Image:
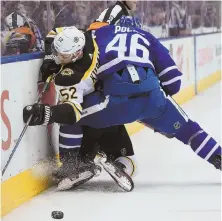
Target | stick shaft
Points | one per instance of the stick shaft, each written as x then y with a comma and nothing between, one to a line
26,125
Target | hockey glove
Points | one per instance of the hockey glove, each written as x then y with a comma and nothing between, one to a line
41,114
172,88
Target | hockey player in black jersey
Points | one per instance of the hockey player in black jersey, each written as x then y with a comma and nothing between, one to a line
115,140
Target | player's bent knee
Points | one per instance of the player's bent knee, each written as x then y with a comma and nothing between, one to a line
170,121
188,132
130,164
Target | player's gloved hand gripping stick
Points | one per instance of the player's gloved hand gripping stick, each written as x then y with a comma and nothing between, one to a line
46,84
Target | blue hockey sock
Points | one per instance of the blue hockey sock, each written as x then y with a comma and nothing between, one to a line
199,140
70,140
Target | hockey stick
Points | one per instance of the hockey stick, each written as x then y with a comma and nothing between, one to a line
179,108
46,84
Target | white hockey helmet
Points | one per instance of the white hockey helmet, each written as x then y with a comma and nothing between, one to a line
14,20
69,42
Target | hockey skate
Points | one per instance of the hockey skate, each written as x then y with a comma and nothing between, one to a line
72,174
116,171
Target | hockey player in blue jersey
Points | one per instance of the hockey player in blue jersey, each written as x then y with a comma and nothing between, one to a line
138,75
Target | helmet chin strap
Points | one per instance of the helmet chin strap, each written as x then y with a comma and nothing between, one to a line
74,59
78,57
57,61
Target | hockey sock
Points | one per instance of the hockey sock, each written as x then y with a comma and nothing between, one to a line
199,140
70,139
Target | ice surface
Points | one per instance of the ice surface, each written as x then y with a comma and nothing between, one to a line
173,184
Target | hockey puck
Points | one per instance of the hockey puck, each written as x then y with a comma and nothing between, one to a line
57,214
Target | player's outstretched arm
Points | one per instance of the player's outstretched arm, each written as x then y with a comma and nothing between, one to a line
44,114
70,90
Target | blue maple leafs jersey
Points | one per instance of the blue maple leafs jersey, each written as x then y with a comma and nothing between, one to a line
120,46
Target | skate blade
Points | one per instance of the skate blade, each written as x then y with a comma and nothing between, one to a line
122,179
68,183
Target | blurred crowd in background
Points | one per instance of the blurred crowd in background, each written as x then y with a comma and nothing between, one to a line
24,24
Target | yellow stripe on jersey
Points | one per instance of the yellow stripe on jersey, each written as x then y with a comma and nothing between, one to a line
79,107
54,32
58,30
94,62
51,34
76,110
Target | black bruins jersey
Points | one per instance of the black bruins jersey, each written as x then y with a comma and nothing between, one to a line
76,79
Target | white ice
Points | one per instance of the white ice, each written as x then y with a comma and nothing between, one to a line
173,184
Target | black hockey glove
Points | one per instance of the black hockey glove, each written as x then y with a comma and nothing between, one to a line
48,68
41,114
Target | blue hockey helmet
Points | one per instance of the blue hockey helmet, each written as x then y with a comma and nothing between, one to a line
129,21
